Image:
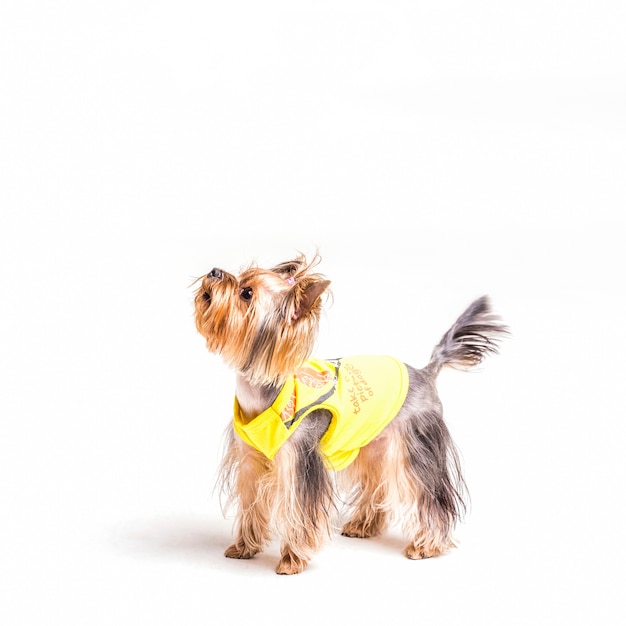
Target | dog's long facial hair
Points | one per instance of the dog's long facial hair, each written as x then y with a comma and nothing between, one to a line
264,324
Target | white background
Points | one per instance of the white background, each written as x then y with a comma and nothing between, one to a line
432,152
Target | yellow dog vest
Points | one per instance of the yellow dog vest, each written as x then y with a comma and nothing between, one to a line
363,394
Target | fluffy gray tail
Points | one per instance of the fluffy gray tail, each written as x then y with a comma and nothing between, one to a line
472,337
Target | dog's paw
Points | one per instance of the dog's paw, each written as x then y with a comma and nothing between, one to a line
354,530
239,551
291,564
415,553
362,530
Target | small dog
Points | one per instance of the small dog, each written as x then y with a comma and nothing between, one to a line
305,431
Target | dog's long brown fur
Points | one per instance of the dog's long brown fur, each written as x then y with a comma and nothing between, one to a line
264,323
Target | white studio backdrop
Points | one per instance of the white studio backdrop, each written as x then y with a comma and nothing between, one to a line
431,152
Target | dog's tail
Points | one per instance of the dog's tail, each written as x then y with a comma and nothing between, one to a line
475,335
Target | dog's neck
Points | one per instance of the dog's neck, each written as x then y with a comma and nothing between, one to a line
254,399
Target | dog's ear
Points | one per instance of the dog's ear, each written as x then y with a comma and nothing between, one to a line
290,268
306,297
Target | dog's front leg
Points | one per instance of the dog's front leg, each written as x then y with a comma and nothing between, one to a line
244,472
304,502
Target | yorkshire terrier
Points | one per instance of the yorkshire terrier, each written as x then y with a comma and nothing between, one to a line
305,431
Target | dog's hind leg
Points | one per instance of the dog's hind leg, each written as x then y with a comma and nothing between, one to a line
368,486
432,493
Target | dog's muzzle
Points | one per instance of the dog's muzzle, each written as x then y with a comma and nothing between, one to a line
215,275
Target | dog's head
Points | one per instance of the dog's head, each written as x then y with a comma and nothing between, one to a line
263,322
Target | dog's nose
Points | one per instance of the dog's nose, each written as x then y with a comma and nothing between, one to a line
216,273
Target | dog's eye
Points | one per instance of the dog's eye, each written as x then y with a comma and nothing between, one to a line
246,294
